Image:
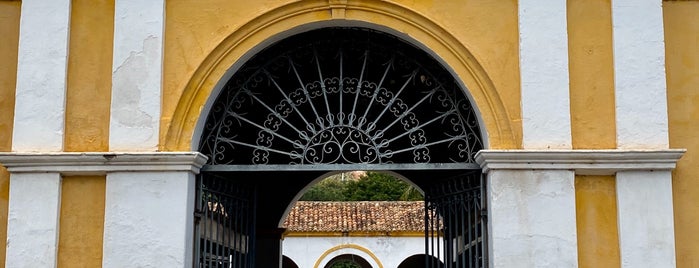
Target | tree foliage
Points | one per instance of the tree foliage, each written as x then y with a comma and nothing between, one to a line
373,186
345,264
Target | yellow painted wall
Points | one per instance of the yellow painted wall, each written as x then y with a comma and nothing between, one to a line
81,222
9,30
598,238
196,30
682,67
86,129
593,126
89,76
591,66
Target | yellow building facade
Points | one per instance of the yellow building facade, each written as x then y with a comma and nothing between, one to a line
587,110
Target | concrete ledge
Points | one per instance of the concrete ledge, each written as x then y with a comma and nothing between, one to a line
583,162
90,163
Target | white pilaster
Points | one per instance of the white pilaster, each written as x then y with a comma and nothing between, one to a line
149,205
644,197
33,220
531,203
149,219
137,75
639,74
532,218
646,223
41,76
543,63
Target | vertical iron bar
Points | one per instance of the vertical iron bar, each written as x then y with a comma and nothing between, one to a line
466,227
427,232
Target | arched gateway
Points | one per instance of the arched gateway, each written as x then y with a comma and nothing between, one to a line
328,100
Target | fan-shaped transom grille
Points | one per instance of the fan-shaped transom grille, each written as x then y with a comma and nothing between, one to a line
341,96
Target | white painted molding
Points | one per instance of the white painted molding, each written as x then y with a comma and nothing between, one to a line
584,162
102,162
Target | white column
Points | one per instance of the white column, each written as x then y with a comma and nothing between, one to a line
149,219
33,220
532,218
137,75
644,197
531,204
543,63
41,76
639,74
646,226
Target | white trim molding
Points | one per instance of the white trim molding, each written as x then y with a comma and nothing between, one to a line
68,163
584,162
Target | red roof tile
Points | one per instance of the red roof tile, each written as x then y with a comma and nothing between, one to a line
360,216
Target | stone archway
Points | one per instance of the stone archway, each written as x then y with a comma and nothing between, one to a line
330,99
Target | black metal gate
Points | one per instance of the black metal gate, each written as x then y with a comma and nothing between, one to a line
455,222
224,223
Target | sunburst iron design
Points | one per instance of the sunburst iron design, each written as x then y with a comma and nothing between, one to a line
341,96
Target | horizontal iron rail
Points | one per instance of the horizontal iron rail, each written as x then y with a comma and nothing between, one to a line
344,167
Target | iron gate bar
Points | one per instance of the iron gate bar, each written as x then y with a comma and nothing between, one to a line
455,224
224,223
343,99
343,167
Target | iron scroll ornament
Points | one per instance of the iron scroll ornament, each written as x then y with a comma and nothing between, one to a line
341,96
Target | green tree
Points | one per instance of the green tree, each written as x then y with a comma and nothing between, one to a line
329,189
373,186
345,264
376,186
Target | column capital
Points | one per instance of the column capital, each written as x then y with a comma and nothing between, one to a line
583,162
91,163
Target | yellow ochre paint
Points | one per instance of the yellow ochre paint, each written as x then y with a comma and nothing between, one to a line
682,69
89,76
81,221
202,43
591,69
9,30
598,235
86,129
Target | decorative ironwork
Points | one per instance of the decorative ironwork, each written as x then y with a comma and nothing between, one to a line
225,223
455,225
341,96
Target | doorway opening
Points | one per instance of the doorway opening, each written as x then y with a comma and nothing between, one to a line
331,100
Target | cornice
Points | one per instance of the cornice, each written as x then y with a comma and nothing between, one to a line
584,162
85,163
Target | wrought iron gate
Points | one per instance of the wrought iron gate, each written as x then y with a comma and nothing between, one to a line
225,223
341,99
455,222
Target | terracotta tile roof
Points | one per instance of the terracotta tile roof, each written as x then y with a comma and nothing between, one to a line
359,216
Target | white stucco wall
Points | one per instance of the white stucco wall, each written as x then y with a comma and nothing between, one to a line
639,74
148,219
532,218
42,65
137,75
543,59
33,220
646,225
391,251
